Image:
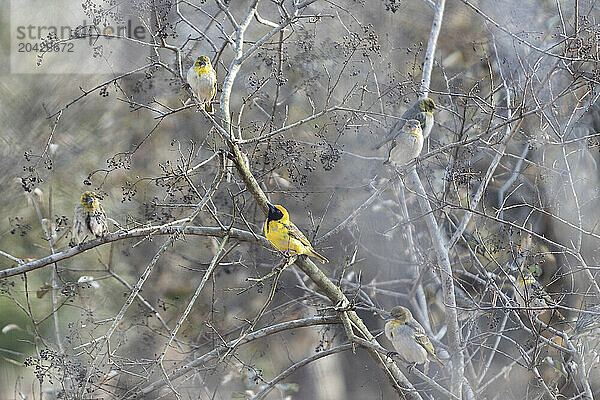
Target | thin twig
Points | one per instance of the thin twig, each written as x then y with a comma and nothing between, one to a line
271,384
117,319
215,353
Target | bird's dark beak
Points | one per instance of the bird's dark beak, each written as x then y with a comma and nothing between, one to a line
389,317
272,208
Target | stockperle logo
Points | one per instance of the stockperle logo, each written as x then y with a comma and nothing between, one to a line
63,36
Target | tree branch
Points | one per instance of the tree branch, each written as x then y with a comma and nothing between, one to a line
215,353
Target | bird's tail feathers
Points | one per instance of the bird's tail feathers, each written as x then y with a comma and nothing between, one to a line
558,314
436,358
318,256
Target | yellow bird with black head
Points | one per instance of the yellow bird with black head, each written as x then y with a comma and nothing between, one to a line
285,236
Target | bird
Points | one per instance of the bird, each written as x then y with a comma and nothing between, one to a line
529,293
586,332
408,337
203,80
408,145
89,220
285,236
535,252
421,111
488,255
588,322
465,305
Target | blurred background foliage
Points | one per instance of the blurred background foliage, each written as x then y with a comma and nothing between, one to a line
365,56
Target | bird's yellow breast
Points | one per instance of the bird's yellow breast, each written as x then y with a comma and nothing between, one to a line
202,70
278,234
527,280
394,323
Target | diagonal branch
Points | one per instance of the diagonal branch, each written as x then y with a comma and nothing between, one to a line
169,229
436,26
271,384
215,353
148,270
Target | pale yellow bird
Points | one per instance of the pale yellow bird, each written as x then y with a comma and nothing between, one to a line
202,78
421,111
407,145
89,220
408,337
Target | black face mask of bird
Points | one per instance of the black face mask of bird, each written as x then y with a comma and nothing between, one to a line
275,214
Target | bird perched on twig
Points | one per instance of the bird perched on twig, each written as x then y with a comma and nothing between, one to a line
408,337
285,236
89,221
449,223
535,252
491,252
530,294
465,305
407,145
588,323
422,111
586,332
203,80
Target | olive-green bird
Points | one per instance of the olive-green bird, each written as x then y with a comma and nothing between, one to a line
530,294
535,252
202,78
465,305
422,111
588,323
408,144
408,337
89,221
489,255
